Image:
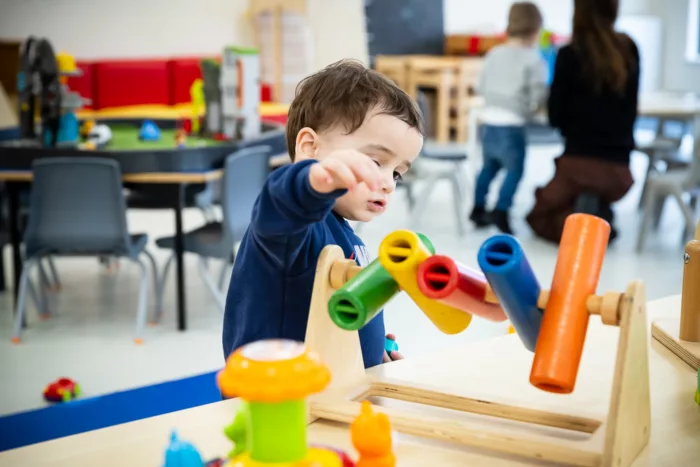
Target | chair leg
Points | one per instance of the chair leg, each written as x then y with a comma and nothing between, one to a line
687,213
424,197
209,282
56,282
39,302
160,290
21,301
224,270
142,310
458,201
650,200
156,283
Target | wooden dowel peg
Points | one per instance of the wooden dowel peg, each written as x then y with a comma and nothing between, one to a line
607,306
342,271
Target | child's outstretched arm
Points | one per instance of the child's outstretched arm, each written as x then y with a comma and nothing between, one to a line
301,194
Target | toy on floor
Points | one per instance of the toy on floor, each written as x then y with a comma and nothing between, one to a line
551,324
149,131
181,453
273,378
62,390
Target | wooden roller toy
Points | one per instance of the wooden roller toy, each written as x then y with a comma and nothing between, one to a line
613,441
680,331
401,253
362,292
509,274
565,320
447,281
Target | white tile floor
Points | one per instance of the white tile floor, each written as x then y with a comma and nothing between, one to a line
91,338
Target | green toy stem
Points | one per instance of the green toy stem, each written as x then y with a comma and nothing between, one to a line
359,300
362,297
267,422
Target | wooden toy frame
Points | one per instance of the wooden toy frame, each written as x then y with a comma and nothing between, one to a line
680,333
624,433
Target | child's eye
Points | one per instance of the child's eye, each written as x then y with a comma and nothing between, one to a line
397,177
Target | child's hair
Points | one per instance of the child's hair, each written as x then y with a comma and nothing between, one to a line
342,94
524,20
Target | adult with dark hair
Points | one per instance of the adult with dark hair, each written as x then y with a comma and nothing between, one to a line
593,103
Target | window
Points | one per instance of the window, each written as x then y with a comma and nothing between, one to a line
692,46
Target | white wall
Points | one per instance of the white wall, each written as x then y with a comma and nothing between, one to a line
129,28
491,16
158,28
678,74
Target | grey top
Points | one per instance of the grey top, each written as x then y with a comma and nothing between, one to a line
514,79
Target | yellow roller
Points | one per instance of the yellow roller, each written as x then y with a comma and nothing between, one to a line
401,252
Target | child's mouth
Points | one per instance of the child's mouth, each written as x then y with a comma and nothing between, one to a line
376,206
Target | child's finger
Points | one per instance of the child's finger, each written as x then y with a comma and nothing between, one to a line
386,358
396,355
367,171
341,172
391,337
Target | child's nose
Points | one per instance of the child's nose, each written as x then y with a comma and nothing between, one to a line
388,183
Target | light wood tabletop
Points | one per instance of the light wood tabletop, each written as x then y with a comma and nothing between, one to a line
153,177
495,370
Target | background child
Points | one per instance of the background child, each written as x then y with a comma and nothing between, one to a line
513,84
352,134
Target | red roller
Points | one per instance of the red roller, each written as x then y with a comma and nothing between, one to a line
445,280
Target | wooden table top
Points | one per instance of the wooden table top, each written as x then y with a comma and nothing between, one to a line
495,369
154,177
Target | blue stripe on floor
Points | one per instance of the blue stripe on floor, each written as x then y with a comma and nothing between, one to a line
92,413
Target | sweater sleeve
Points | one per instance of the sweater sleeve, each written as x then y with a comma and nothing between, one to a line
537,85
559,89
287,205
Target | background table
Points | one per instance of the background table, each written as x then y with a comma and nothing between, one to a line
494,370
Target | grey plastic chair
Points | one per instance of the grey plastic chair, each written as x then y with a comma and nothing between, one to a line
78,209
453,155
245,172
675,183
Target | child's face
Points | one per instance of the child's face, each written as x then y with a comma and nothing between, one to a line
391,143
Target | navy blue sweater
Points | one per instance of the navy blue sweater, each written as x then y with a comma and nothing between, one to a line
270,290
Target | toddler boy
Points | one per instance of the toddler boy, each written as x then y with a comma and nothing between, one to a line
513,84
351,134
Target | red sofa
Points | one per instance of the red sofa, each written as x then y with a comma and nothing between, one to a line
119,83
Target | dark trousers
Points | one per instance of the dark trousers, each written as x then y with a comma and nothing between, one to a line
580,184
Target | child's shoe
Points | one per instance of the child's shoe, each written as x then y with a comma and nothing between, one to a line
480,217
500,220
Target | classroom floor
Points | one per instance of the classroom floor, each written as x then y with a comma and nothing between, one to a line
91,339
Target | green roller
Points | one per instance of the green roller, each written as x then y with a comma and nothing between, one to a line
357,302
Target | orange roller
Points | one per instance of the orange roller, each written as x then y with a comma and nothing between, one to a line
565,321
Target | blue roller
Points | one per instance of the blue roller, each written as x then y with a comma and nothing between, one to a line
503,262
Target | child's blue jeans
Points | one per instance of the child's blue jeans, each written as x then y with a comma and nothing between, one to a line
503,148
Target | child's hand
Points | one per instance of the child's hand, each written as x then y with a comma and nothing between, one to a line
395,355
344,170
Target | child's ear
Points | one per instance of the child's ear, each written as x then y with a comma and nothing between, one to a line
306,144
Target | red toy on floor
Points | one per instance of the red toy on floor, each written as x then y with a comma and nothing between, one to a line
62,390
